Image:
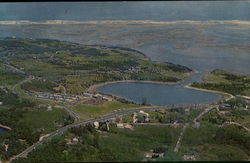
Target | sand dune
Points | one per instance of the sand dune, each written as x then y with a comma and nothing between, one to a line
129,22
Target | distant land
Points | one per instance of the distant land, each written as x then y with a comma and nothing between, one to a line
128,22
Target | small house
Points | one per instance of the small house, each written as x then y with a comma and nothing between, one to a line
224,107
107,98
88,94
96,124
119,125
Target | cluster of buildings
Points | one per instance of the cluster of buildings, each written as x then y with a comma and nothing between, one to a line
67,98
155,153
226,106
141,117
97,95
133,69
55,96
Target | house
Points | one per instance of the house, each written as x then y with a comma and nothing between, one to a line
189,158
97,95
150,155
49,108
96,124
128,126
88,94
119,125
224,107
142,116
107,98
75,140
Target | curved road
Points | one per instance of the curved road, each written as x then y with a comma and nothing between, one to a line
103,118
77,116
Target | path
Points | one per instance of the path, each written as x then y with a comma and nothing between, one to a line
103,118
5,127
14,68
77,117
13,89
237,124
178,144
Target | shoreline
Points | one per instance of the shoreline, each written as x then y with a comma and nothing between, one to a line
227,96
142,22
5,127
94,87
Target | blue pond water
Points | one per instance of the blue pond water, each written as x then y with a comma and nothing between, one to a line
157,94
196,57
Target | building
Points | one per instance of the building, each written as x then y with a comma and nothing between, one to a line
96,124
97,95
128,126
119,125
88,94
107,98
189,158
224,107
75,140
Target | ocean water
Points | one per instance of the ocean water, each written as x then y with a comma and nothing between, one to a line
206,47
158,11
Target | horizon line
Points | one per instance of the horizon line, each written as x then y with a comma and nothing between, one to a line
20,22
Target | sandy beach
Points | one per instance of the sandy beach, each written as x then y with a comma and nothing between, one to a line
149,22
226,95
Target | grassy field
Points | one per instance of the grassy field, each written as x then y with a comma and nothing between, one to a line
92,111
168,116
7,78
116,145
47,120
77,67
29,119
231,83
211,143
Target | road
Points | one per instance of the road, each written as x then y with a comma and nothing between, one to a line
14,68
77,117
208,109
13,89
204,112
29,78
103,118
237,124
178,144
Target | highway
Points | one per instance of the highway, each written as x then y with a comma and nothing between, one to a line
105,117
101,119
29,78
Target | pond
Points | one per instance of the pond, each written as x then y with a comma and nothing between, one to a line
159,94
